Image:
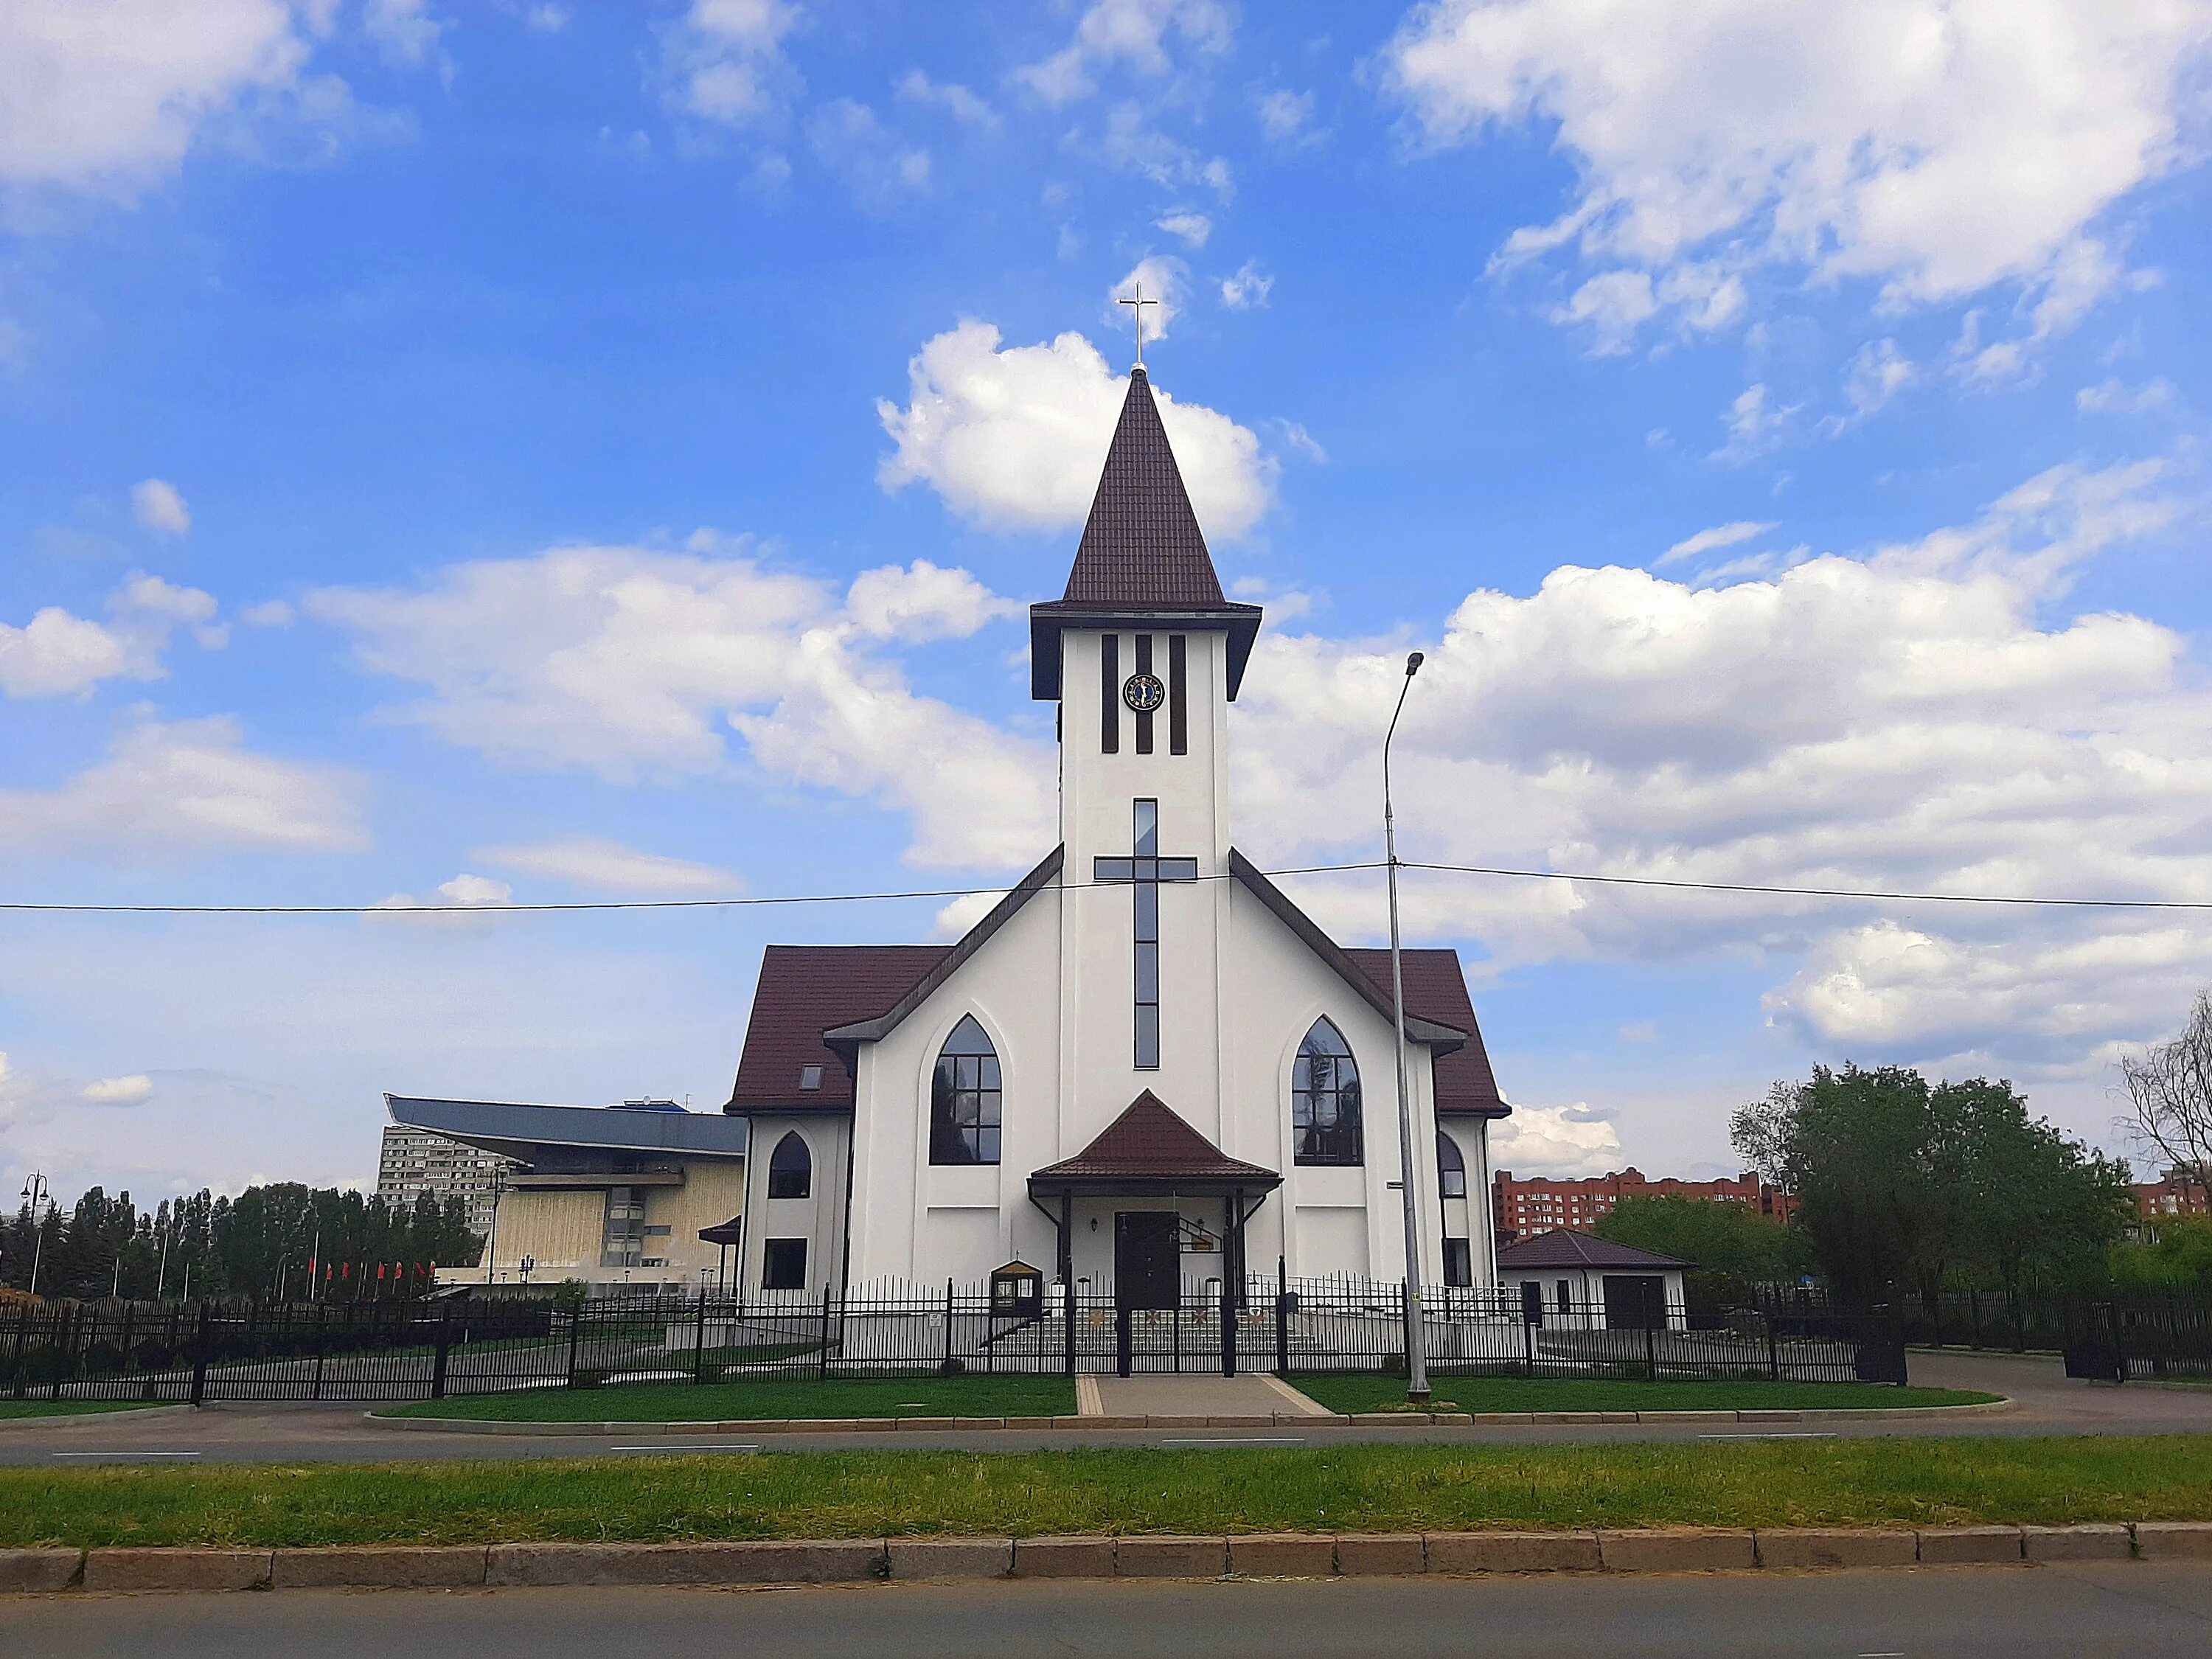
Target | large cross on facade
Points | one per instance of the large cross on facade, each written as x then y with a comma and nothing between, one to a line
1145,871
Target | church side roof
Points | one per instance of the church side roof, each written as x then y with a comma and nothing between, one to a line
1143,557
803,991
1436,989
816,1004
1150,1144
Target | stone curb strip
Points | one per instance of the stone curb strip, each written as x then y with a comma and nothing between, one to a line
1278,1420
87,1418
1260,1555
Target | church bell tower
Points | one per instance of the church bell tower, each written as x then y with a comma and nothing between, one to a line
1144,654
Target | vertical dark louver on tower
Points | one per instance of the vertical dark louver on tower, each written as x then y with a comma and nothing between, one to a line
1143,715
1178,699
1109,694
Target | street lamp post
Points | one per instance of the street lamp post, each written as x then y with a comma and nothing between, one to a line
1417,1358
35,1193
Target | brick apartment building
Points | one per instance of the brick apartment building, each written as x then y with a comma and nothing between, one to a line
1540,1204
2175,1193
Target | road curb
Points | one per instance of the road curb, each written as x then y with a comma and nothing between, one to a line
1278,1420
1135,1555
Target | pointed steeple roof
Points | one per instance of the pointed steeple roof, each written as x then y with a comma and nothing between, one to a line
1143,557
1141,544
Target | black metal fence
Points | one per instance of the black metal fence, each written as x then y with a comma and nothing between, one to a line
490,1345
2139,1334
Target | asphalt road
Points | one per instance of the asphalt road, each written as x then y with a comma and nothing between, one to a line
339,1432
2136,1608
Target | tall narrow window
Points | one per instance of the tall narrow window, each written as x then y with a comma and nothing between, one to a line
1146,844
1145,714
791,1168
1451,1167
1178,697
1325,1099
963,1098
1109,694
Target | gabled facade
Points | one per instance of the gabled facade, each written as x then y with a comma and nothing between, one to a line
1006,1098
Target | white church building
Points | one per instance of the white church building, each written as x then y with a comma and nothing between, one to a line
1145,1069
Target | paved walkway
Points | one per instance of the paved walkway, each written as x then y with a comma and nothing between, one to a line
1251,1394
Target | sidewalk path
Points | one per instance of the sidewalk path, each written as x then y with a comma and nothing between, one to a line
1250,1394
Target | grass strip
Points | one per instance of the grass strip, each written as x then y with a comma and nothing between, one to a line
72,1408
1368,1391
1363,1487
766,1397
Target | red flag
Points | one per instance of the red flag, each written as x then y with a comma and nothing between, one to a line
379,1270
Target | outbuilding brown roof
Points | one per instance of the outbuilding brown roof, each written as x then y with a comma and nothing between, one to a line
1150,1146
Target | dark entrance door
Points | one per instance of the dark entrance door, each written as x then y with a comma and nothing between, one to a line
1148,1272
1635,1302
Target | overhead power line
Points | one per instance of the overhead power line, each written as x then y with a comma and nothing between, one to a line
1884,895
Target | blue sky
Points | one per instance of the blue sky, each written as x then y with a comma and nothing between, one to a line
450,453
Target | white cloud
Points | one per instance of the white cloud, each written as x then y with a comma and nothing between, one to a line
269,613
1014,438
1295,435
1614,306
1164,283
1135,145
169,789
1247,289
112,96
1193,228
1901,720
1877,373
405,33
1707,541
1125,33
119,1091
111,93
1565,1141
1752,428
2117,398
726,63
958,101
158,505
1938,146
55,654
548,18
923,601
880,165
1286,117
627,662
589,861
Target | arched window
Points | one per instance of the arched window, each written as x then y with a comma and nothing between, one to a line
963,1098
791,1168
1324,1098
1451,1167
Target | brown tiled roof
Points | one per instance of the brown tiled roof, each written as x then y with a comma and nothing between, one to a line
805,990
1143,557
1141,544
1436,990
1565,1248
1149,1143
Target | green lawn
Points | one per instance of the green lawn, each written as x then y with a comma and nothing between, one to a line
71,1407
1366,1391
768,1397
1350,1488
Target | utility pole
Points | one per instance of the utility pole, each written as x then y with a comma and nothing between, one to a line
35,1193
1417,1358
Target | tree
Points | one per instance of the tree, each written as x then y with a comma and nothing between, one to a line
2176,1254
1733,1249
2169,1091
1902,1184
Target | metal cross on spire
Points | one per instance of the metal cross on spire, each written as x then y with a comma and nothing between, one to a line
1137,306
